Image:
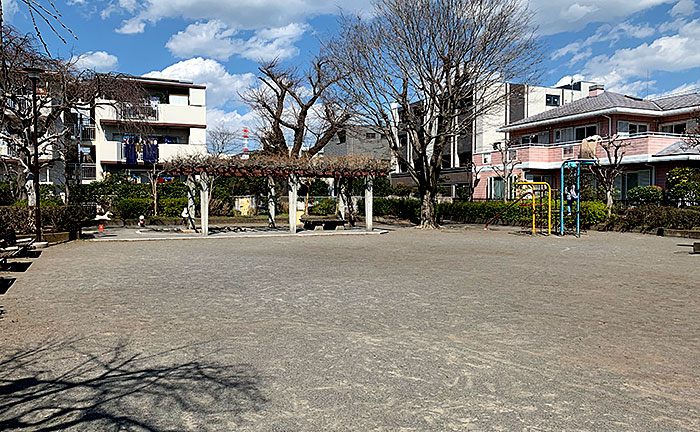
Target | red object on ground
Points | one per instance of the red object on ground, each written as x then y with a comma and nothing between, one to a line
101,228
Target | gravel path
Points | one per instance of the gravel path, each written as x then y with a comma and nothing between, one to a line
409,331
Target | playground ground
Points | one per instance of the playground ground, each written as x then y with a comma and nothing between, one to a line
459,329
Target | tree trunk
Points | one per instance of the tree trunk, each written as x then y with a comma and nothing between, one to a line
428,211
609,200
191,193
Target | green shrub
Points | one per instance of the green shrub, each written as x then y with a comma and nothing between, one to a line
171,207
318,188
58,218
643,195
653,216
683,185
324,208
399,208
6,197
131,208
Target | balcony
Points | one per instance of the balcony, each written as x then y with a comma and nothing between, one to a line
143,112
116,151
80,172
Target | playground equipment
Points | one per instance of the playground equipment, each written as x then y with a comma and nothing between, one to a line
541,194
571,164
520,198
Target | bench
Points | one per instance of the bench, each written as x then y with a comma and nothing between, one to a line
322,223
19,248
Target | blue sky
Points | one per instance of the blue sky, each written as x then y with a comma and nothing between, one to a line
637,47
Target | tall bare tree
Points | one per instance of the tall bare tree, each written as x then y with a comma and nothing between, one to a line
222,140
440,64
607,170
298,109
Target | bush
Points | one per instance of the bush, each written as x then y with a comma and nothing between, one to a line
653,216
58,218
171,207
324,208
644,195
400,208
132,208
6,197
683,185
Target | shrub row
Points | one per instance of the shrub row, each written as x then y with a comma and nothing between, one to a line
57,218
654,216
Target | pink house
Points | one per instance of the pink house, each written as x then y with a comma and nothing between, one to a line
539,144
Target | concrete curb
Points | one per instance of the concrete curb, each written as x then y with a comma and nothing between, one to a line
244,235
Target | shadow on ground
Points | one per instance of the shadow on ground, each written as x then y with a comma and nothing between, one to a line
6,283
60,386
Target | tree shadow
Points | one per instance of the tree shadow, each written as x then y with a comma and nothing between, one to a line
5,284
59,386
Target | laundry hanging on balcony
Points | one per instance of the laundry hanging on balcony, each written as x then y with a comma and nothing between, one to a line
130,150
150,151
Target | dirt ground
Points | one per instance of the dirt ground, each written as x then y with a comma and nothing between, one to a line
458,329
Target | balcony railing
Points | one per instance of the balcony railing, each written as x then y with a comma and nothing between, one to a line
85,171
143,112
620,137
87,133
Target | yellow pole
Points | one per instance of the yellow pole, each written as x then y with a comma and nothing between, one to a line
549,204
534,209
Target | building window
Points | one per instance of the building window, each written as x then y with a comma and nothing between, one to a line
583,132
567,152
486,158
678,128
631,179
564,135
553,100
512,155
496,188
370,135
625,127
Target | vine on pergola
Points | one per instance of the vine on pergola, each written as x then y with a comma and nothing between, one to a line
278,166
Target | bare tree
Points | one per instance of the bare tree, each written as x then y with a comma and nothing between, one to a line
42,11
505,169
606,171
62,90
423,70
298,108
222,140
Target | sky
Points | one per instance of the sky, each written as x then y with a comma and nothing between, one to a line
644,48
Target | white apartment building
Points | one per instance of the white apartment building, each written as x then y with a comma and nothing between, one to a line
519,101
176,116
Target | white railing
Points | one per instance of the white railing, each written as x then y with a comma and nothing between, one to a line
620,136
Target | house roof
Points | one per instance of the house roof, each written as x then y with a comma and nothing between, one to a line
608,102
679,148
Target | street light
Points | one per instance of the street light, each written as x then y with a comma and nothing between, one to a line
33,74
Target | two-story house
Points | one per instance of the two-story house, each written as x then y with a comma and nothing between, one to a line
652,132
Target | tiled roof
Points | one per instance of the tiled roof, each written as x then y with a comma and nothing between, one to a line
680,101
602,101
679,148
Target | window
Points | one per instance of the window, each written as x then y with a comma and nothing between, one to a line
553,100
625,127
179,99
512,155
370,135
486,158
564,135
629,180
678,128
496,188
567,152
583,132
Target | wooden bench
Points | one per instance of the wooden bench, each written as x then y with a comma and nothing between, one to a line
322,223
19,248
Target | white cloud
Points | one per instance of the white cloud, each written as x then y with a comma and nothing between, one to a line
241,14
99,61
673,53
222,86
573,15
683,8
215,39
234,121
604,33
568,79
9,9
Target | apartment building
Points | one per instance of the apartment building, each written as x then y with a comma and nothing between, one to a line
519,101
359,140
176,117
652,131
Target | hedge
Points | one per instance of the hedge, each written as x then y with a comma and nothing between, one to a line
592,213
132,208
58,218
654,216
171,207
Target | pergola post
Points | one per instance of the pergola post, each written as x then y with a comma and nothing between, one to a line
342,188
191,188
292,186
204,203
271,202
369,197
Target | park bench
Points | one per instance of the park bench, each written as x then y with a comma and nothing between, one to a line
17,249
322,222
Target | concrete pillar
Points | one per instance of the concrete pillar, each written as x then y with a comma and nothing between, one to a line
342,186
191,188
204,203
271,196
369,196
292,187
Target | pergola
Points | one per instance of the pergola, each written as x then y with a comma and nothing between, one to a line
292,169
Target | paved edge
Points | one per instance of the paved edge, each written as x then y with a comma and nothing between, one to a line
253,235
